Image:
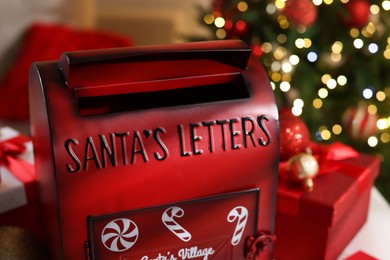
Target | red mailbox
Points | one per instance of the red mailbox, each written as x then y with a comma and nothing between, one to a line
158,152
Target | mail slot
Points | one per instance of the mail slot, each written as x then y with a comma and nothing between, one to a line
156,152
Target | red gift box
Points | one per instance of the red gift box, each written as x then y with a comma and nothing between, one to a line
319,224
360,256
18,191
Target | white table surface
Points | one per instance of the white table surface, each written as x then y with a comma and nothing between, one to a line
374,237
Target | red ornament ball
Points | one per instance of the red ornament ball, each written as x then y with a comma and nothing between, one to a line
257,50
237,30
294,135
358,13
300,12
359,123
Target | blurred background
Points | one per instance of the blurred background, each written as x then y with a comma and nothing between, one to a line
328,60
38,30
145,21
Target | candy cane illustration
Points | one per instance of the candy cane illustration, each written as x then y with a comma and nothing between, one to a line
241,215
119,235
168,220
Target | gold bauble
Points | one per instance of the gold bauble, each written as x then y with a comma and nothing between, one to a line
303,167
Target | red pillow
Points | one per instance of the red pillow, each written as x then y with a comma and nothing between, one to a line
44,42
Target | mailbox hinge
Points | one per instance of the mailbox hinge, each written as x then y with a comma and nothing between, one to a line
87,250
256,245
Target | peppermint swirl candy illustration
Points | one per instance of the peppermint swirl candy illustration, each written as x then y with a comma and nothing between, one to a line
119,235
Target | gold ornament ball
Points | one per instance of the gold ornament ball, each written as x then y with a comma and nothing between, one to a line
303,168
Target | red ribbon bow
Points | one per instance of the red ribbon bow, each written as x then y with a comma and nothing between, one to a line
327,156
10,150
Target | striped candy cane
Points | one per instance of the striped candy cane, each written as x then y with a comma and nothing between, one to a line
168,220
241,215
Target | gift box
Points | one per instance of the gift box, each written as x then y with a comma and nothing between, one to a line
360,256
319,224
18,191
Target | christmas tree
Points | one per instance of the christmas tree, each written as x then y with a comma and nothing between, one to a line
327,60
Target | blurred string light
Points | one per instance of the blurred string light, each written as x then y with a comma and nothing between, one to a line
317,103
386,53
358,43
374,9
325,133
380,96
293,59
301,43
369,30
323,93
342,80
372,109
285,86
386,5
280,4
242,6
373,48
317,2
312,56
219,22
368,93
283,62
208,19
221,34
331,83
297,107
385,137
270,9
382,123
337,129
372,141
